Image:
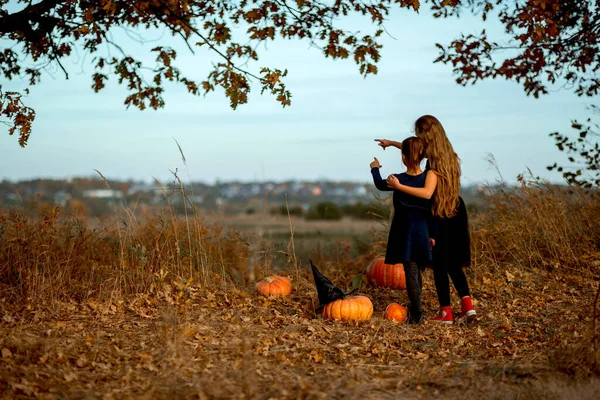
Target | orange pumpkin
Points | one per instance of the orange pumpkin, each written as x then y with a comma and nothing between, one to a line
274,286
395,312
355,308
386,275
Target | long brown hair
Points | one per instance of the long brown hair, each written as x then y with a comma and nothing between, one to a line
444,162
413,150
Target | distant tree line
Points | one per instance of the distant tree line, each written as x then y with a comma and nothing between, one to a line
329,210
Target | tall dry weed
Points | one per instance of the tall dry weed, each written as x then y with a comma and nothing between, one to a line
55,256
538,224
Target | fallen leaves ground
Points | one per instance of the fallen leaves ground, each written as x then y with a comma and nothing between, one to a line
230,343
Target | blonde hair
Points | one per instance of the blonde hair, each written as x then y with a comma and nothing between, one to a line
413,150
444,162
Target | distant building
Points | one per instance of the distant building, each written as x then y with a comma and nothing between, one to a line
103,194
339,192
231,191
11,197
138,188
360,191
282,188
296,186
254,189
198,199
62,197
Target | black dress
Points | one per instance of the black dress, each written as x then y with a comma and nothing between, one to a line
408,239
452,240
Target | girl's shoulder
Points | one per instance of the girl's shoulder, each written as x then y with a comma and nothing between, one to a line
421,175
413,180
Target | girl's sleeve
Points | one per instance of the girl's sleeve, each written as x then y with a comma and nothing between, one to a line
379,182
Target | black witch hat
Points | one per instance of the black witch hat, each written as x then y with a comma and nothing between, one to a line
326,289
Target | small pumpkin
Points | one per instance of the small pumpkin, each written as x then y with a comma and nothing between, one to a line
354,308
274,286
386,275
395,312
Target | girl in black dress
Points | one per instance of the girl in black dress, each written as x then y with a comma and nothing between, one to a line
451,247
408,240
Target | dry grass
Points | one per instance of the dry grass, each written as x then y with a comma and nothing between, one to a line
539,225
160,306
56,257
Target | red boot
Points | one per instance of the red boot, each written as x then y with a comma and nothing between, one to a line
444,316
467,312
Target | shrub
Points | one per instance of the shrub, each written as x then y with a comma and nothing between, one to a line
325,210
283,210
374,210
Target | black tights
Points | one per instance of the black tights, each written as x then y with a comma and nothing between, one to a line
414,283
441,271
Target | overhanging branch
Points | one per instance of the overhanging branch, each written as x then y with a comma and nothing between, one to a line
21,20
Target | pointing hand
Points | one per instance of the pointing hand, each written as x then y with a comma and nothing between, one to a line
384,143
375,163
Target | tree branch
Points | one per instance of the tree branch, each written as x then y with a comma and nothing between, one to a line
210,45
21,20
56,58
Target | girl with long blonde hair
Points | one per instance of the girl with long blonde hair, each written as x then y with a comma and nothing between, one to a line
450,239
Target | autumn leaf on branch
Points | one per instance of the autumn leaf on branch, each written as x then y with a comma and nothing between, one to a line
549,42
583,153
16,115
272,82
45,33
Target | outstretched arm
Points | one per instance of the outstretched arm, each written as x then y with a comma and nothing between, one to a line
377,180
425,192
387,143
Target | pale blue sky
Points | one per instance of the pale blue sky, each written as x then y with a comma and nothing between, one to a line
327,133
